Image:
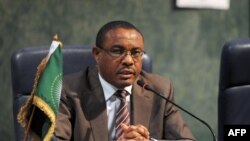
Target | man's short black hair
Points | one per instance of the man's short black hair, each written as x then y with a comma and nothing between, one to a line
110,26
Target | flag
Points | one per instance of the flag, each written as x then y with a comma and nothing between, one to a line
38,115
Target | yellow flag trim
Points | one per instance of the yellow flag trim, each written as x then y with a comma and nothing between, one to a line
37,101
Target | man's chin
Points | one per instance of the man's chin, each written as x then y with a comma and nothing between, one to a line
125,83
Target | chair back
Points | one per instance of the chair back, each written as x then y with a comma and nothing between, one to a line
234,85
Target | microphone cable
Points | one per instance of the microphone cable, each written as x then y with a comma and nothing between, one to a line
149,88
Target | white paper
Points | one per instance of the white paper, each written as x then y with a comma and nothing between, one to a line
204,4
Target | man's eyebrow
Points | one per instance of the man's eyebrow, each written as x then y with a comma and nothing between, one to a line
136,48
117,46
121,47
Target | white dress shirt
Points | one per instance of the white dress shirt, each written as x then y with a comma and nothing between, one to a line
112,103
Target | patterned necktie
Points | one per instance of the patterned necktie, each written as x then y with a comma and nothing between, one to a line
122,114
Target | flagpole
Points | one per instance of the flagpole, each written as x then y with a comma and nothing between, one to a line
29,123
37,77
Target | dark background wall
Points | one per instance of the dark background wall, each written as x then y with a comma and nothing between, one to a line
185,44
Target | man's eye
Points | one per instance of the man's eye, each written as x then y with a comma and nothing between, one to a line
117,51
136,52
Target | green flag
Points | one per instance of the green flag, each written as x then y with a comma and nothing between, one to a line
42,106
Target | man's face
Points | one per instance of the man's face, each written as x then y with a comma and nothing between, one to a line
123,70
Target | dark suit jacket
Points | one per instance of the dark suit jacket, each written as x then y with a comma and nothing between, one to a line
82,113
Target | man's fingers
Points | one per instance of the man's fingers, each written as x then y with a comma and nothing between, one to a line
124,126
132,135
135,131
128,128
143,130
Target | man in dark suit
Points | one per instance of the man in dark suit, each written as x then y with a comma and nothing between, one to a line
89,104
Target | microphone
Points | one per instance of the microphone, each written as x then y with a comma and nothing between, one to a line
149,88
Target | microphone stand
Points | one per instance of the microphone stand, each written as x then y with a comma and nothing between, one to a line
147,87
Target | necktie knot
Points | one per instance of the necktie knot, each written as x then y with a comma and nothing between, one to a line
121,94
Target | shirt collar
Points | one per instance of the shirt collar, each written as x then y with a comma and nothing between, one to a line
109,89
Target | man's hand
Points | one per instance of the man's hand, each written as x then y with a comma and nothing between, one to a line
135,133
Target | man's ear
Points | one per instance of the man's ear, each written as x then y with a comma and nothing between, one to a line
96,54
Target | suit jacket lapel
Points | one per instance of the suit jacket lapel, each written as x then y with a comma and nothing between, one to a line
142,103
95,104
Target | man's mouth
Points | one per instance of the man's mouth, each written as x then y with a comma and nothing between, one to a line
126,74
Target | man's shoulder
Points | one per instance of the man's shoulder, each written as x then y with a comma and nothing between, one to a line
81,77
153,77
81,73
157,82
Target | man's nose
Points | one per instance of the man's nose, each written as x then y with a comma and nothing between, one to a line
127,59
